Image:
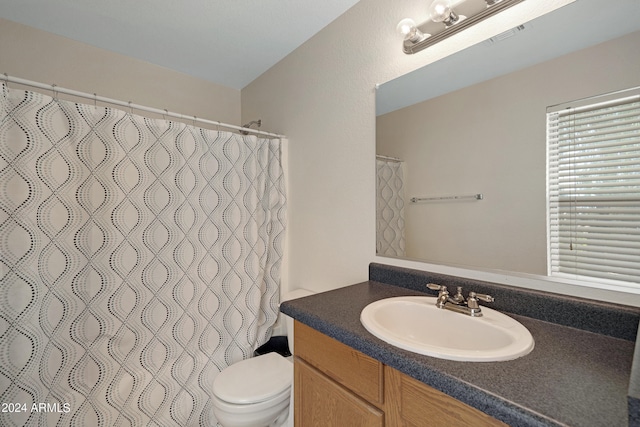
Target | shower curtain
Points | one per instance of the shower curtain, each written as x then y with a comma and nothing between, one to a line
390,208
138,258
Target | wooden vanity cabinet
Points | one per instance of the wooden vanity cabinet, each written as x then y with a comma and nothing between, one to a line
319,401
337,386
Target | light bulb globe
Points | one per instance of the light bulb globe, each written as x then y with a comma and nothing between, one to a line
440,10
406,27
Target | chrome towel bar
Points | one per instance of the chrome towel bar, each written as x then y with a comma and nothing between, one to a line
477,196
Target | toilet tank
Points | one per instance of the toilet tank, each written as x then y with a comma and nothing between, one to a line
295,294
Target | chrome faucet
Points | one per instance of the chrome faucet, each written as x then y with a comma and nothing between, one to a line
458,302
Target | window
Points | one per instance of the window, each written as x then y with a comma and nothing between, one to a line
594,189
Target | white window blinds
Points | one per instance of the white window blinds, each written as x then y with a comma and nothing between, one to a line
594,190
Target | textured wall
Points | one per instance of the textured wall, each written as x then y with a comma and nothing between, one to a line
47,58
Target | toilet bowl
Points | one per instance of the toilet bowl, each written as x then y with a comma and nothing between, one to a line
257,392
254,392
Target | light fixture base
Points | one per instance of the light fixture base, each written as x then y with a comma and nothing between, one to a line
494,8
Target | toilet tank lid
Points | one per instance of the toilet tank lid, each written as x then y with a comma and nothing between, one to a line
254,380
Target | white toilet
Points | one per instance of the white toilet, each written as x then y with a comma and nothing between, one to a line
256,392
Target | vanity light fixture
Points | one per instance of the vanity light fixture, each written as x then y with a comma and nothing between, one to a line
448,17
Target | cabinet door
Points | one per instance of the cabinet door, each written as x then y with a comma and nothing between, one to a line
320,402
354,370
411,403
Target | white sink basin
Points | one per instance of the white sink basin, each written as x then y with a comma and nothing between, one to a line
415,323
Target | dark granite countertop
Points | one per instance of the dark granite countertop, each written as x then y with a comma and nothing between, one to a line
572,377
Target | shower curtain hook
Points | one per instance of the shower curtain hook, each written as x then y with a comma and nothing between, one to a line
166,113
130,108
6,80
95,100
194,120
55,91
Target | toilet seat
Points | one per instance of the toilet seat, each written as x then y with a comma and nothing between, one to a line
258,379
278,401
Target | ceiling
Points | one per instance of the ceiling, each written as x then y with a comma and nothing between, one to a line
228,42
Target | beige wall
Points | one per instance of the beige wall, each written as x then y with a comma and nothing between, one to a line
489,138
322,96
46,58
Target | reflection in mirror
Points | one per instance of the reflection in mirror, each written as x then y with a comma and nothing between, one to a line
475,123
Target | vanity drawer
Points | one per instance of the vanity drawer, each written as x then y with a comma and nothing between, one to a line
358,372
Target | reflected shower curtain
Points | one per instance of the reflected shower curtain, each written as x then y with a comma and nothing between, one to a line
138,258
390,208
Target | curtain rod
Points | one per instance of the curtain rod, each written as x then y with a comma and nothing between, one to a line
391,159
94,97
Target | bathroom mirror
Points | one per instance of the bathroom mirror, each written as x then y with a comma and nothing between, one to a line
469,132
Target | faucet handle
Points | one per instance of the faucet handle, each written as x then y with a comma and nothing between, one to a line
482,297
472,301
435,287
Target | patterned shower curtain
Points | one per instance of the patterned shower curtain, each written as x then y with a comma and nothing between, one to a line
390,208
138,258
